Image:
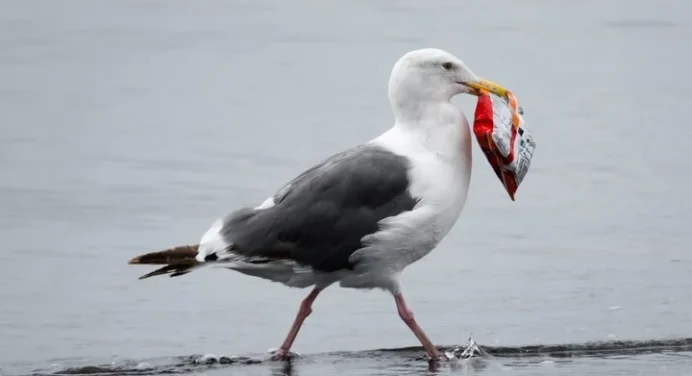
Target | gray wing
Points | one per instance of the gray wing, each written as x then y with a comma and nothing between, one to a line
319,218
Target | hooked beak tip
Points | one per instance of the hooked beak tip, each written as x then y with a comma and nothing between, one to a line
482,85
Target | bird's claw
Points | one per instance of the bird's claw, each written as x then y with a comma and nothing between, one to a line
282,355
438,358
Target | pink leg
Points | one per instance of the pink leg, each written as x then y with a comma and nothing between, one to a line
407,316
303,312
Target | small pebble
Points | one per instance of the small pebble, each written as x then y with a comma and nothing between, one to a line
208,359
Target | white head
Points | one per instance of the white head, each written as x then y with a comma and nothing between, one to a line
430,76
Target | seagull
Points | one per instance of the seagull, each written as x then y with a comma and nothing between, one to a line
361,216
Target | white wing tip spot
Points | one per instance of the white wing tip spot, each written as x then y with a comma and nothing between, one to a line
266,204
213,243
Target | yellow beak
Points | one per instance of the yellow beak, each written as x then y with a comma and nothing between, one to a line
488,86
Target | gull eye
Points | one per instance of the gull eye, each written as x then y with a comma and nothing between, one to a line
447,66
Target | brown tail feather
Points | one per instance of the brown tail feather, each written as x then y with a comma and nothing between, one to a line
168,256
177,261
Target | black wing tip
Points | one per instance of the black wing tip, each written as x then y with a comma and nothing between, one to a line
175,270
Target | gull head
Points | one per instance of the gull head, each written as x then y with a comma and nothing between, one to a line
432,75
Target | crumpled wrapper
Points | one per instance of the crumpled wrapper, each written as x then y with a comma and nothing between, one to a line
502,135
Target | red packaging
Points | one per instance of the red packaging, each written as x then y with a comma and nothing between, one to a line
502,135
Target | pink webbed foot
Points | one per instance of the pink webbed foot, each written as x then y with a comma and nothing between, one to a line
282,355
433,355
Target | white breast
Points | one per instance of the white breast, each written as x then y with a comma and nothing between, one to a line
440,169
440,175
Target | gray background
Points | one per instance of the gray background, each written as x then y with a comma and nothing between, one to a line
129,126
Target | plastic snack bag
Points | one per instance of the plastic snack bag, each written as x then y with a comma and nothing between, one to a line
502,135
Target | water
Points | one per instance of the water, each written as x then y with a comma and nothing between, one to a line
130,126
